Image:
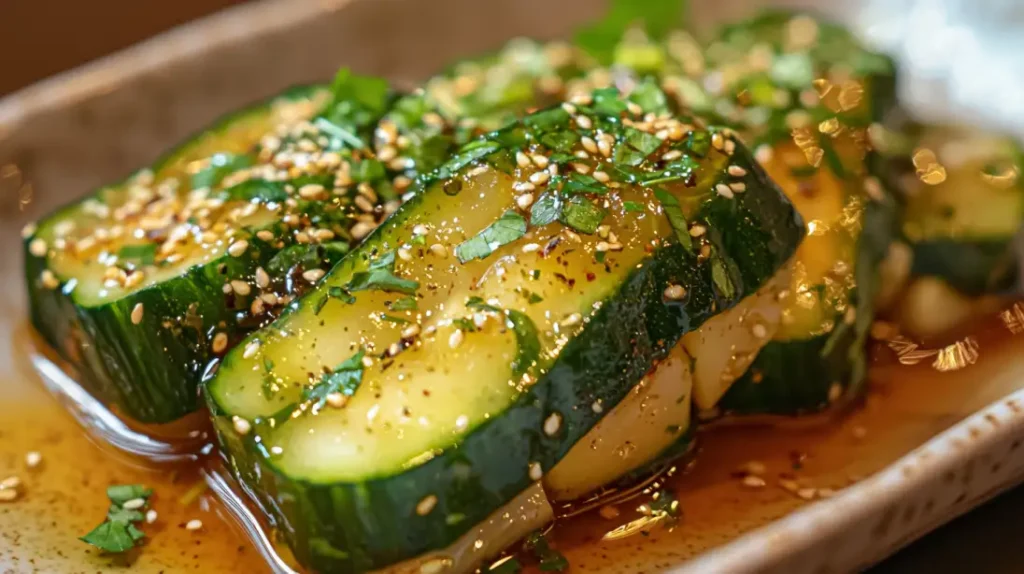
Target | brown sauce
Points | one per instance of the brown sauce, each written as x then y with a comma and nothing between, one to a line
63,498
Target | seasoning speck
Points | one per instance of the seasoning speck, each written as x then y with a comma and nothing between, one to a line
33,459
194,524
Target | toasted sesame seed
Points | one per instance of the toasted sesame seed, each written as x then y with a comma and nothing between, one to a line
151,516
589,144
523,186
435,565
604,147
737,171
10,482
8,494
696,230
242,426
455,339
614,245
33,459
262,278
241,287
137,312
250,350
311,191
675,292
387,153
522,160
602,246
37,247
581,168
661,134
364,204
540,160
194,524
411,331
582,99
552,424
134,504
361,229
634,108
535,470
419,229
752,481
313,275
530,247
759,330
596,407
671,155
220,342
717,141
425,506
789,485
28,230
49,280
738,186
540,177
336,400
525,200
571,109
763,154
237,249
601,176
730,147
584,122
724,190
807,493
439,250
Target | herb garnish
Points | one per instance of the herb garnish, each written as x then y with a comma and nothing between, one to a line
405,304
675,217
720,275
138,254
380,276
344,379
118,532
509,227
546,209
221,165
549,559
582,215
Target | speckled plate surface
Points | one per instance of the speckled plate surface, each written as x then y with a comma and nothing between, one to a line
60,138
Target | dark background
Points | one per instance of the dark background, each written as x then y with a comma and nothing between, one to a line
39,38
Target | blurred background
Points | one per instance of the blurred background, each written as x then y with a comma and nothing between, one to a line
40,38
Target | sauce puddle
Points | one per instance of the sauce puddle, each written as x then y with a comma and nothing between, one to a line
64,497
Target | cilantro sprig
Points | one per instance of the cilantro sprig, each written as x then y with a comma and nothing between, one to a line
344,379
118,532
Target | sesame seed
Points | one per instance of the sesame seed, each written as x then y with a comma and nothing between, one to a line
439,250
724,190
151,516
362,229
455,339
8,494
49,280
589,144
540,160
751,481
671,155
10,482
394,349
601,176
410,331
250,350
696,230
313,275
596,407
435,565
336,400
602,246
134,504
789,485
806,493
194,524
584,122
522,160
552,424
524,201
531,247
523,186
536,472
730,147
759,330
37,247
738,186
737,171
220,342
419,229
237,249
571,109
604,147
717,141
242,426
241,287
581,168
364,204
763,154
634,108
33,459
425,506
835,392
137,312
28,230
540,177
311,191
262,279
675,292
387,153
661,134
583,99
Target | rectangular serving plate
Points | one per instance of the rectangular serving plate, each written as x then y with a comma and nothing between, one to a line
69,134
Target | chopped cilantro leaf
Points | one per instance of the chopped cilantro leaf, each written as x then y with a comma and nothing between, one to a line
221,165
608,103
658,17
720,275
344,379
257,190
546,209
549,559
632,206
464,324
138,254
582,215
404,304
509,227
583,183
547,120
394,319
380,276
111,536
122,493
649,96
118,532
698,143
675,217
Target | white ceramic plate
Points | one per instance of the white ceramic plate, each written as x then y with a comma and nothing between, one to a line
93,125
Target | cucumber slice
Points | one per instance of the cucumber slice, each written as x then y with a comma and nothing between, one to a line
391,429
142,284
964,207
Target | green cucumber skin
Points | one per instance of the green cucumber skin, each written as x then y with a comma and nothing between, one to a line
797,375
356,527
973,267
148,372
